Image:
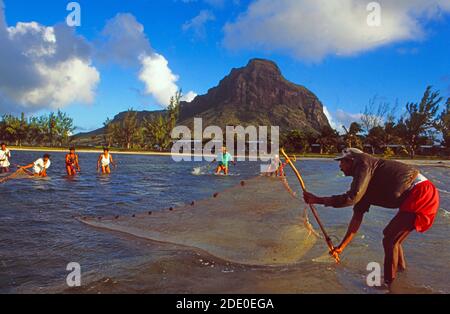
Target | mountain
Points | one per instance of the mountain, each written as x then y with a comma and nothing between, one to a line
257,94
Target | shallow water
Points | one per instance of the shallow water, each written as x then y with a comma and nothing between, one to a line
39,236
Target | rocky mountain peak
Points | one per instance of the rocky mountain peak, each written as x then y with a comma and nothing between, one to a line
257,94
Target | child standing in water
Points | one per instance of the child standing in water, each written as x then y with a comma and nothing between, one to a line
72,165
105,160
223,161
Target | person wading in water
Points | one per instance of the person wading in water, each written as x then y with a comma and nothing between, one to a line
390,184
104,161
72,165
224,160
39,167
5,156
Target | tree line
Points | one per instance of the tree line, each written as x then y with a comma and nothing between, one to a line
53,129
379,131
154,133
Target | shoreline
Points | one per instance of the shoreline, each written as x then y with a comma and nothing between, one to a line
417,162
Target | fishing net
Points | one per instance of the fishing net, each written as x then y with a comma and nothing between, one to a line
19,174
258,222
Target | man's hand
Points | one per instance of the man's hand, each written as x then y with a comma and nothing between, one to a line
310,198
337,250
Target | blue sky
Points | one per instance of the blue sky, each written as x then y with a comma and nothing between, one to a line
193,44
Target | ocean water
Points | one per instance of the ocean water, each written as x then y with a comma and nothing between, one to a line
39,235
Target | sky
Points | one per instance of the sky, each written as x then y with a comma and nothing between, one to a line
138,53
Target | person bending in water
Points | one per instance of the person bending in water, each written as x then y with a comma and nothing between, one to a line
223,161
40,167
104,161
72,165
5,155
389,184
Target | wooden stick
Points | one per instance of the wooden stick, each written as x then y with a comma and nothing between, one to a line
313,209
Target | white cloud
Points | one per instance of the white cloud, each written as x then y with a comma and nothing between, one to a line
125,43
159,80
190,96
197,24
344,118
340,119
43,67
67,82
312,30
49,67
329,117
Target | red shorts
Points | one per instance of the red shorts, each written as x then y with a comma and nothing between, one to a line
423,200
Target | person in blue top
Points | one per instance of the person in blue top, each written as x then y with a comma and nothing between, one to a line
224,159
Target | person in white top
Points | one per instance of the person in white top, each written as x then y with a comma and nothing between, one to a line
5,155
40,166
104,161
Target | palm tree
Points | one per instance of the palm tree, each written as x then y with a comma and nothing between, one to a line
420,119
443,125
156,132
327,139
351,137
64,127
376,138
129,128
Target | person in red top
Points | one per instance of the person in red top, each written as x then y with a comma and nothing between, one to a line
72,162
389,184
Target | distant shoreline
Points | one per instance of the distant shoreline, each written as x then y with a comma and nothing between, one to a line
99,151
430,161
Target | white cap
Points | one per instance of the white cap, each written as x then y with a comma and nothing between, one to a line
349,153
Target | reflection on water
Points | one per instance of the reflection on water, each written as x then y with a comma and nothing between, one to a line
39,237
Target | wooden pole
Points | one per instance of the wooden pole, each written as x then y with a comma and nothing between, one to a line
311,206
